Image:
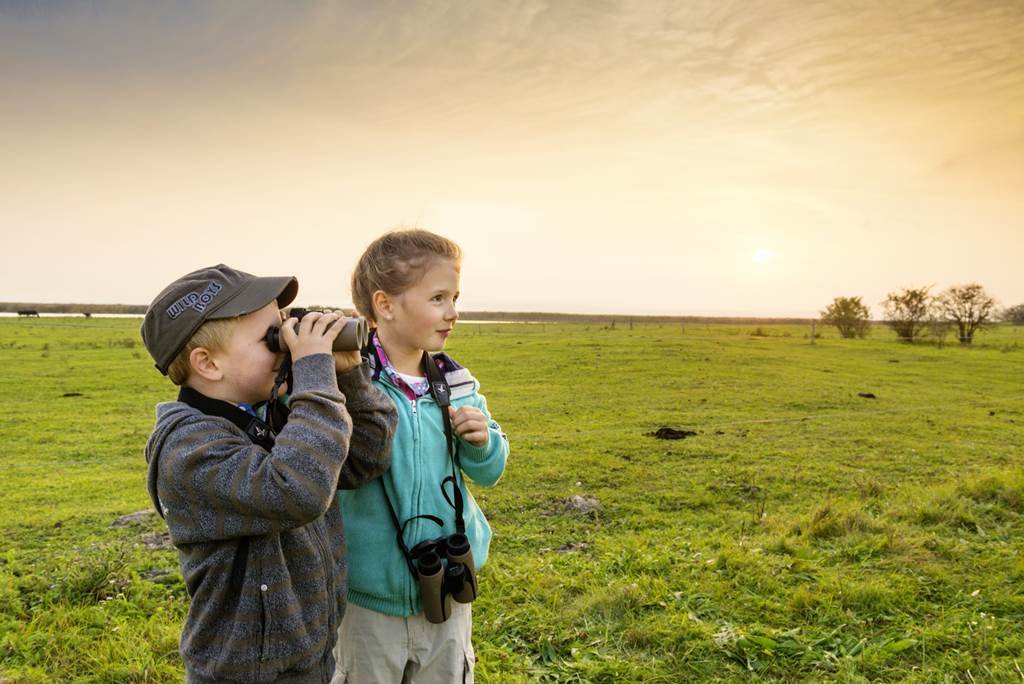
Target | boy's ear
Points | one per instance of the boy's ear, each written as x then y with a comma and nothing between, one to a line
383,306
204,365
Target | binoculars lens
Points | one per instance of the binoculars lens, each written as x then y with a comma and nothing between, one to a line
429,563
458,545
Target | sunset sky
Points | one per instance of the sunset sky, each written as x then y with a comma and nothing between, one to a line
704,157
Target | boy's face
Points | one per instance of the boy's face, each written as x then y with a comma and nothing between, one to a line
425,314
248,365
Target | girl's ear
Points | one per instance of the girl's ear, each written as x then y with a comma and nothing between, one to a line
383,306
204,365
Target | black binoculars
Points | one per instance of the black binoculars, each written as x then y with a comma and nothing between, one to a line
444,569
351,338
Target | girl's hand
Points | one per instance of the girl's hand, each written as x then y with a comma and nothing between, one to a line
470,424
346,360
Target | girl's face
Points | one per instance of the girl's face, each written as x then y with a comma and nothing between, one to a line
422,317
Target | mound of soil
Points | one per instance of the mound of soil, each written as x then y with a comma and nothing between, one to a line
671,433
582,504
157,541
133,518
573,546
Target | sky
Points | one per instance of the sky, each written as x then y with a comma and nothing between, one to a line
712,157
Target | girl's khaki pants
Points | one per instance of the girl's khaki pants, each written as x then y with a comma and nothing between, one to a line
374,648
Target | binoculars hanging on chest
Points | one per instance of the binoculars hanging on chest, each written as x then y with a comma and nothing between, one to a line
445,572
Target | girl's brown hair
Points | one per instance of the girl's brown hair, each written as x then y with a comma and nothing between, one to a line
394,262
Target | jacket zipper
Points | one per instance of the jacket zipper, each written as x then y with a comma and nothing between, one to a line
410,582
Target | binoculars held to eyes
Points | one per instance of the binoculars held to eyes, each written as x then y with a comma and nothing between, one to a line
444,569
352,337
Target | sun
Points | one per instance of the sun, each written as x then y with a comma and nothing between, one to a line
761,256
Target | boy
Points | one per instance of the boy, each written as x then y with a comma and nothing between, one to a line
253,513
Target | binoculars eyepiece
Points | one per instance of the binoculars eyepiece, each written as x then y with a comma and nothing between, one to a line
352,337
444,569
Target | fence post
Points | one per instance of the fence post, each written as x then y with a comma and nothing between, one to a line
813,333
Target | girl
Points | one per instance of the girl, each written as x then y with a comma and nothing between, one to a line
410,581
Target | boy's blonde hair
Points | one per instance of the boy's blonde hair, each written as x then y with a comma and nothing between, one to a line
212,335
396,261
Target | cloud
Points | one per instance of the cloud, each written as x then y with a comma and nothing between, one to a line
705,122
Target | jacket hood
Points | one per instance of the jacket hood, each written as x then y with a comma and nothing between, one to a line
168,416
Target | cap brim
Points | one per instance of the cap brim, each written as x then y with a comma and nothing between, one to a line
258,294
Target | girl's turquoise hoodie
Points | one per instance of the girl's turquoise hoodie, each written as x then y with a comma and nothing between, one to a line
379,578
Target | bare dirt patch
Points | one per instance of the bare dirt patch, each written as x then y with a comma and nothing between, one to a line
671,433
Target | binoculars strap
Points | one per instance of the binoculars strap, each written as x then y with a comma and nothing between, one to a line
255,429
400,528
284,375
441,392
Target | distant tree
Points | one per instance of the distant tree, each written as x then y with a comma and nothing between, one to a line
969,307
907,312
1015,315
849,315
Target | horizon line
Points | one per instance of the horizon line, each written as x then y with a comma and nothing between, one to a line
482,315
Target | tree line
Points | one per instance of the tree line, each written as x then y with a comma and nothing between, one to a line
915,312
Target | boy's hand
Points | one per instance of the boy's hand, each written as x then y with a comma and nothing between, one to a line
315,334
470,424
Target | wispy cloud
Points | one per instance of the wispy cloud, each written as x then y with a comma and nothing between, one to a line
811,120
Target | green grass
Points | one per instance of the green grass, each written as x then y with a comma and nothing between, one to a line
804,534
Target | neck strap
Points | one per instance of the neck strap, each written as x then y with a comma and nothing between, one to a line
258,431
442,393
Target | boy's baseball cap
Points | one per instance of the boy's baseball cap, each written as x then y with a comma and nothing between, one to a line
205,295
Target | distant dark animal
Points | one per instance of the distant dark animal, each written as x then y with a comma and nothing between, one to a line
87,314
867,395
28,312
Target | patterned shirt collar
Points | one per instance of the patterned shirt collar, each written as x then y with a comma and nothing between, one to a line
412,391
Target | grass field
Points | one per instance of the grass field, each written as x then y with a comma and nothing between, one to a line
804,533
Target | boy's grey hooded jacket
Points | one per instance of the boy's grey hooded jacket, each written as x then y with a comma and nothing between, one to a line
259,535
